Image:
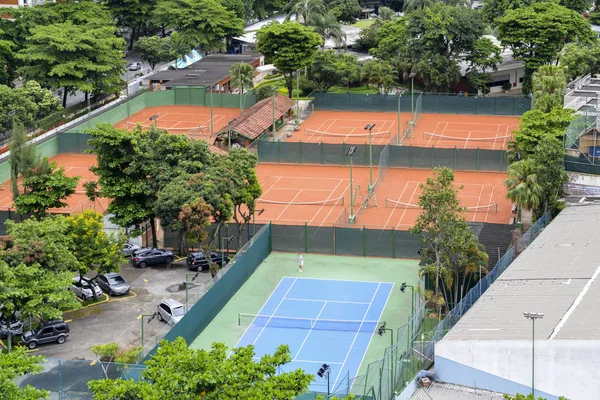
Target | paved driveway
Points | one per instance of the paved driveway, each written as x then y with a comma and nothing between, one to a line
117,320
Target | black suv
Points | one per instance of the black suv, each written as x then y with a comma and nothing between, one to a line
16,327
197,260
143,258
48,332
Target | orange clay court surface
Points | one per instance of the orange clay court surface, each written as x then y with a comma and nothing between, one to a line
431,130
292,195
194,121
74,165
289,190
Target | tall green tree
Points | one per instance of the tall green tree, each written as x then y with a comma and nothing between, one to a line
579,6
177,371
386,13
332,69
345,10
133,14
7,61
580,59
23,159
493,10
378,73
74,54
242,76
260,9
530,396
549,87
289,46
328,27
47,187
536,34
536,125
178,45
305,10
524,189
206,22
17,364
153,49
549,160
485,56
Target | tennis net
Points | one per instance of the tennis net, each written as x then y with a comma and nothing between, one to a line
311,132
197,130
389,203
427,135
338,325
329,202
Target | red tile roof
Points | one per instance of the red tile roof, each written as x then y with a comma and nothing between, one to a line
258,118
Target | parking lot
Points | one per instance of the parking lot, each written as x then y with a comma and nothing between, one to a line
117,320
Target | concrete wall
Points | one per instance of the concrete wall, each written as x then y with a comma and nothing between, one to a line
584,179
562,368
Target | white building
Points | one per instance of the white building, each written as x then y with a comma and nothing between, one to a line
557,275
23,3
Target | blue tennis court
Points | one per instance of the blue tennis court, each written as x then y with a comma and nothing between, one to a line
322,321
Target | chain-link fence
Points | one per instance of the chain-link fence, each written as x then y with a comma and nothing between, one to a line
431,103
68,379
582,145
398,156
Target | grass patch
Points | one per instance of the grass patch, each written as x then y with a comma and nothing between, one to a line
91,302
364,23
353,90
83,312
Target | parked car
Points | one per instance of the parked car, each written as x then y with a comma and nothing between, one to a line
135,66
85,288
170,311
112,283
153,256
48,332
197,260
16,327
129,249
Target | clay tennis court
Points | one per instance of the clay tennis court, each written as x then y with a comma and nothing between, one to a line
463,131
294,195
193,121
348,126
74,165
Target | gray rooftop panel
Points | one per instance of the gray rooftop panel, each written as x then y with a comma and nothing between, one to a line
449,391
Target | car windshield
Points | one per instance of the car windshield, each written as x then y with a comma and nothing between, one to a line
117,280
178,311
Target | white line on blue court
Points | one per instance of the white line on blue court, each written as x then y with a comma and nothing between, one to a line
274,312
356,335
340,280
309,331
318,362
329,301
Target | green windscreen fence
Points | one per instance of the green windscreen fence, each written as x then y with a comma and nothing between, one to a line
229,280
394,156
429,103
73,142
358,241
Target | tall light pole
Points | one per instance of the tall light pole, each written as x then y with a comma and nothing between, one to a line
412,95
273,109
533,317
399,126
412,291
370,127
154,119
194,276
324,372
141,318
298,96
228,239
254,220
350,152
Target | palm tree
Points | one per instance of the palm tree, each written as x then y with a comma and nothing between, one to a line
242,75
524,188
411,5
179,45
386,13
305,10
379,73
328,26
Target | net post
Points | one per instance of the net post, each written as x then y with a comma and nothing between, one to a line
306,237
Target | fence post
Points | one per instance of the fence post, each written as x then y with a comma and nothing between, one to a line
270,237
300,151
410,156
364,230
278,152
321,152
455,157
333,231
343,152
432,157
393,242
478,163
306,237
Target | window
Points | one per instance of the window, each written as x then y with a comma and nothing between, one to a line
61,328
499,80
47,331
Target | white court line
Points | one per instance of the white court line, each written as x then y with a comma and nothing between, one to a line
323,205
174,126
274,312
278,178
289,204
467,140
497,134
329,301
356,335
409,202
478,200
395,205
327,129
490,202
318,362
331,210
216,120
312,190
340,280
309,331
259,311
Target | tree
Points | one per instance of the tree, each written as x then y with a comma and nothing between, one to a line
25,105
205,22
524,188
263,8
391,40
367,37
549,87
579,6
536,34
495,9
23,159
328,27
536,125
331,69
153,49
530,396
580,59
345,10
305,10
108,353
178,45
47,187
195,216
134,14
74,56
412,5
443,230
484,56
289,46
176,371
92,246
14,365
549,160
378,73
7,61
386,13
242,75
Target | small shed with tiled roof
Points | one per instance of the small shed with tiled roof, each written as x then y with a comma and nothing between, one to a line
257,120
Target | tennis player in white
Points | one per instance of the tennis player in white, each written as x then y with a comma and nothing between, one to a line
300,262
